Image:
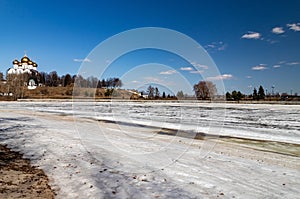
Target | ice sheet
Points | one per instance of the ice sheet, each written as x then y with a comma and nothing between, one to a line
85,157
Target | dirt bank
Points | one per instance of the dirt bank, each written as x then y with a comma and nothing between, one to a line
18,179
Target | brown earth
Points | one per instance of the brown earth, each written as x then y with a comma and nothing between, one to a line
69,92
18,179
65,93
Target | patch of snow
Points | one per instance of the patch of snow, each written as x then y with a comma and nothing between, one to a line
123,156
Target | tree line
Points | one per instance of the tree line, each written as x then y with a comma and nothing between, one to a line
206,90
52,79
94,82
154,93
237,95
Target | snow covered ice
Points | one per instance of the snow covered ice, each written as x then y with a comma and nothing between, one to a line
129,149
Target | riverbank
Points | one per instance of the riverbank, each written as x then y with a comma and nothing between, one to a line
18,179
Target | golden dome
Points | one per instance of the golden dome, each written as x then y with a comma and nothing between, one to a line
15,62
30,62
25,59
34,65
20,64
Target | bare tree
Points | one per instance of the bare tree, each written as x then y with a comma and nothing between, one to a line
150,91
180,95
205,90
16,84
52,79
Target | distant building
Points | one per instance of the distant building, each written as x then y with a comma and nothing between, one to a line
24,66
28,69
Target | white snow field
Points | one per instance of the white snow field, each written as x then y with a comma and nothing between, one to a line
123,149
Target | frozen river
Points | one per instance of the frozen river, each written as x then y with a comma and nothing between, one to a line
129,149
256,121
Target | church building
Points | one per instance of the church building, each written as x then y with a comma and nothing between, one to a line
24,66
28,69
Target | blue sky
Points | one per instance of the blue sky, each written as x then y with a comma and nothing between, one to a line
252,42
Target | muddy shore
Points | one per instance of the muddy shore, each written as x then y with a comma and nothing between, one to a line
19,179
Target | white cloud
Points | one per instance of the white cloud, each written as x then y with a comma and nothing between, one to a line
259,67
221,77
197,71
168,72
251,35
186,68
294,26
159,81
153,79
199,65
277,30
249,77
276,66
82,60
292,63
134,81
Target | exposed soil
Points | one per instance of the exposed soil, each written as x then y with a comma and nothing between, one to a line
18,179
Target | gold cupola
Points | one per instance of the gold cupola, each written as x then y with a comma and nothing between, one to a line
15,62
25,59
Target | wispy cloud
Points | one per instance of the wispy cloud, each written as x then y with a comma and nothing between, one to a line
216,46
259,67
168,72
292,63
198,68
159,81
221,77
294,26
222,47
251,35
82,60
186,68
271,41
278,30
153,79
249,77
285,63
282,62
197,65
197,72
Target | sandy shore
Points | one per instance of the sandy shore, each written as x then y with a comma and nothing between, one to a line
18,179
